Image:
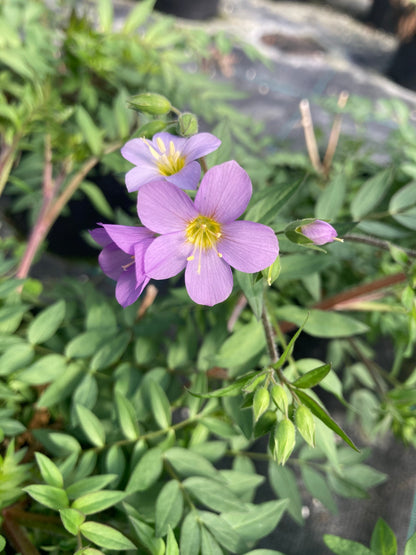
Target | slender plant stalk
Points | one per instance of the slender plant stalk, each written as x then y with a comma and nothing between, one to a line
375,242
270,340
52,206
309,133
334,134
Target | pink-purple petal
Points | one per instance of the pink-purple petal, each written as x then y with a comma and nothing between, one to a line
214,282
140,175
248,246
166,256
178,142
163,208
100,236
112,260
224,192
199,145
125,237
127,290
136,151
187,178
139,253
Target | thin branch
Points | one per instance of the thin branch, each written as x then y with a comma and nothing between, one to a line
379,243
309,133
334,134
268,330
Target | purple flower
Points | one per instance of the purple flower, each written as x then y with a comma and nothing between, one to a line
319,232
122,258
203,236
168,157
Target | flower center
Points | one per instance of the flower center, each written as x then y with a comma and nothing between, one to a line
168,161
204,233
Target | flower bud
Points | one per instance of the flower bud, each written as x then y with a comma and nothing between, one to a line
285,440
280,399
305,424
261,402
188,124
319,232
150,103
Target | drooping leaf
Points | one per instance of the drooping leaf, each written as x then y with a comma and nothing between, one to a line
284,484
72,520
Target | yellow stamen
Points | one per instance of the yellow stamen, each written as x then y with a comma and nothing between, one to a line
203,233
161,145
168,163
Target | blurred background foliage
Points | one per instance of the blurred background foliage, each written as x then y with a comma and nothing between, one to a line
134,429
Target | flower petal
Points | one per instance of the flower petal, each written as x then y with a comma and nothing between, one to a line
127,290
145,173
112,260
248,246
187,178
126,236
137,152
213,284
224,192
166,256
199,145
139,253
100,236
164,208
178,142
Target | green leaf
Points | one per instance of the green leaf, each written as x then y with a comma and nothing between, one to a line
321,323
89,485
190,534
62,387
50,472
90,132
208,544
212,494
266,203
229,390
98,501
115,463
341,546
318,487
111,352
50,496
403,206
138,15
245,343
371,193
172,547
296,266
127,417
320,413
253,291
146,536
223,532
87,343
241,482
105,15
16,358
72,520
284,484
97,199
410,547
159,404
146,472
44,370
169,507
2,542
258,520
383,540
105,536
46,323
313,377
187,463
91,426
57,443
330,201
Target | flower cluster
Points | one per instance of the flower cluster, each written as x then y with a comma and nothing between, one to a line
203,237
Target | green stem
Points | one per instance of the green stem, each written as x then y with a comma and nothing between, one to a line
268,330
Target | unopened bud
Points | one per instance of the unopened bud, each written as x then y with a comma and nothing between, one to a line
305,424
188,124
285,439
280,399
319,232
261,402
150,103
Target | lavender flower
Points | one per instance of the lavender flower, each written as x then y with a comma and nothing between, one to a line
319,232
203,236
122,258
168,157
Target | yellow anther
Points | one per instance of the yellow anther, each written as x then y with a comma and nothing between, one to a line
161,145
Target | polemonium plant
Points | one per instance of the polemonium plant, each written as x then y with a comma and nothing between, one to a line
167,157
122,258
203,237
